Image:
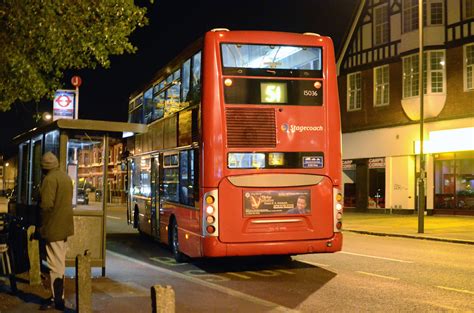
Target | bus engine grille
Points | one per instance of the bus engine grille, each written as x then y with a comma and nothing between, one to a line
247,127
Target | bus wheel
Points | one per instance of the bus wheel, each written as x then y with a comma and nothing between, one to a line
178,256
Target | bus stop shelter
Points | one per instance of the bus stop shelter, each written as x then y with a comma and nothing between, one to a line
83,148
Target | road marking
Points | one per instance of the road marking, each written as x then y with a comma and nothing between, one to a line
113,217
376,257
231,292
313,263
457,290
377,275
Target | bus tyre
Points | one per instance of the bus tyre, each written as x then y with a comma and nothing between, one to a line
178,256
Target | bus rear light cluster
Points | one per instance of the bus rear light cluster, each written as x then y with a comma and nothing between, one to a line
210,214
338,208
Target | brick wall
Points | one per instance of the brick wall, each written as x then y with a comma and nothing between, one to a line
370,117
458,104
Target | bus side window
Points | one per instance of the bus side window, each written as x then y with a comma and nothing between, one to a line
185,82
186,177
195,94
171,178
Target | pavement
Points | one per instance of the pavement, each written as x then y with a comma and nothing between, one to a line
121,291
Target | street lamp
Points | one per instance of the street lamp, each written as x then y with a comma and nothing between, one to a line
47,116
43,117
421,180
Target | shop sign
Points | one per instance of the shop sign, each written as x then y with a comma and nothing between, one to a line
276,202
348,165
377,163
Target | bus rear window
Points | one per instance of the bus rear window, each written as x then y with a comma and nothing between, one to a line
271,60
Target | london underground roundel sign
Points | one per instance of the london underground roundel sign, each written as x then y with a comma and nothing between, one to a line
63,104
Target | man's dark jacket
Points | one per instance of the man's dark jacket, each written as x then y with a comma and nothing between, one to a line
56,206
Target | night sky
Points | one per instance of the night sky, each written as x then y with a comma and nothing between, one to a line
173,25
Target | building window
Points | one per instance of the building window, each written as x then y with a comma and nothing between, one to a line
436,13
410,15
433,74
468,9
410,76
469,67
436,68
381,25
381,85
354,92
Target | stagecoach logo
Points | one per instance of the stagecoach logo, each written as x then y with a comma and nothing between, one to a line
289,128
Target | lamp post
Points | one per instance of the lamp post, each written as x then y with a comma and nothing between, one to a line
5,176
421,180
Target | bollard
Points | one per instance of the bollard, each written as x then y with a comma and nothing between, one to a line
162,299
83,283
33,256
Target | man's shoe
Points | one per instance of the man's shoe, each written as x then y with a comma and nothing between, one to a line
60,305
50,304
47,304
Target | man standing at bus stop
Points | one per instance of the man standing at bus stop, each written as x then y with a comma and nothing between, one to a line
56,225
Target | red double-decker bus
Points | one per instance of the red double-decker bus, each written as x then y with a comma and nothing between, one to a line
243,150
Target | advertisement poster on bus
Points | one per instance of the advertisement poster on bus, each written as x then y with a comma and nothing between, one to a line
277,202
63,104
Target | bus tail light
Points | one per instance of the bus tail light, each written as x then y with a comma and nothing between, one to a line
210,214
338,209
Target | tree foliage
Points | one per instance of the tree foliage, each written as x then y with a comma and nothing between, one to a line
40,39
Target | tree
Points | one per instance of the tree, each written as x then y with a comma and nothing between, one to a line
40,39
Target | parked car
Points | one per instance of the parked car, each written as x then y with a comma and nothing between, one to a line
82,196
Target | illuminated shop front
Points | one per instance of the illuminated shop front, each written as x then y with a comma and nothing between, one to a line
381,168
453,170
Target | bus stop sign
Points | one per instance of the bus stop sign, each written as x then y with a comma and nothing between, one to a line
76,81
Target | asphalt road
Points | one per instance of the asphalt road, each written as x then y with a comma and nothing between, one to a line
371,274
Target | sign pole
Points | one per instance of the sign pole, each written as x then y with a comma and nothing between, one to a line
76,81
76,106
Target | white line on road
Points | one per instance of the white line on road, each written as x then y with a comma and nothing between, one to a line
313,263
376,257
377,275
113,217
231,292
457,290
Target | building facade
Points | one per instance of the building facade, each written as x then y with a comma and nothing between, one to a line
380,106
7,174
90,171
